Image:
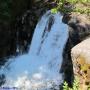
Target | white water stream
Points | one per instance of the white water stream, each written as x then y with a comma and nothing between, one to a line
39,69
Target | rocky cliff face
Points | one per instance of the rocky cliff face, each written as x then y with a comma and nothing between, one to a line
17,30
79,29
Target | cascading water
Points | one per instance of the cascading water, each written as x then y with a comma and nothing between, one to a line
39,69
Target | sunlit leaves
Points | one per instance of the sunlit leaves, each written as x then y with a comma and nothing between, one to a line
62,3
54,10
75,85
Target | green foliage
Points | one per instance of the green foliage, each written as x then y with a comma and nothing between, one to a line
54,10
75,86
70,7
5,9
65,86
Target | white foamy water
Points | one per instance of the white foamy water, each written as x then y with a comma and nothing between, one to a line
39,69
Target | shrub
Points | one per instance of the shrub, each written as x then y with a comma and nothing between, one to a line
70,6
75,86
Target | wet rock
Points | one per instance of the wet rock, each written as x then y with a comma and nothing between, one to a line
81,63
79,30
2,79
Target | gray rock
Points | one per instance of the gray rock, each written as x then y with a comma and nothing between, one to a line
81,63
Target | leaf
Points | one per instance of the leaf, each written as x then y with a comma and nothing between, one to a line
54,10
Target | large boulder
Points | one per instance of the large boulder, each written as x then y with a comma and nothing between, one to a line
81,63
79,30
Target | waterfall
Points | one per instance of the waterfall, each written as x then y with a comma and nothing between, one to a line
39,69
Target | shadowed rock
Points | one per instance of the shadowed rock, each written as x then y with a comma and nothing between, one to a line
16,32
79,30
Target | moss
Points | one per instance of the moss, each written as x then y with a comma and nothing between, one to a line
82,71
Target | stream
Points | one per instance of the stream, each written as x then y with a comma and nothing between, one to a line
40,68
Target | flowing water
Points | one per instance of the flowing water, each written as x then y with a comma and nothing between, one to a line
39,69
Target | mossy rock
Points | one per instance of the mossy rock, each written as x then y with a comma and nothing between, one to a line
81,63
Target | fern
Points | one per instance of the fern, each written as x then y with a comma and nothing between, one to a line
75,86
